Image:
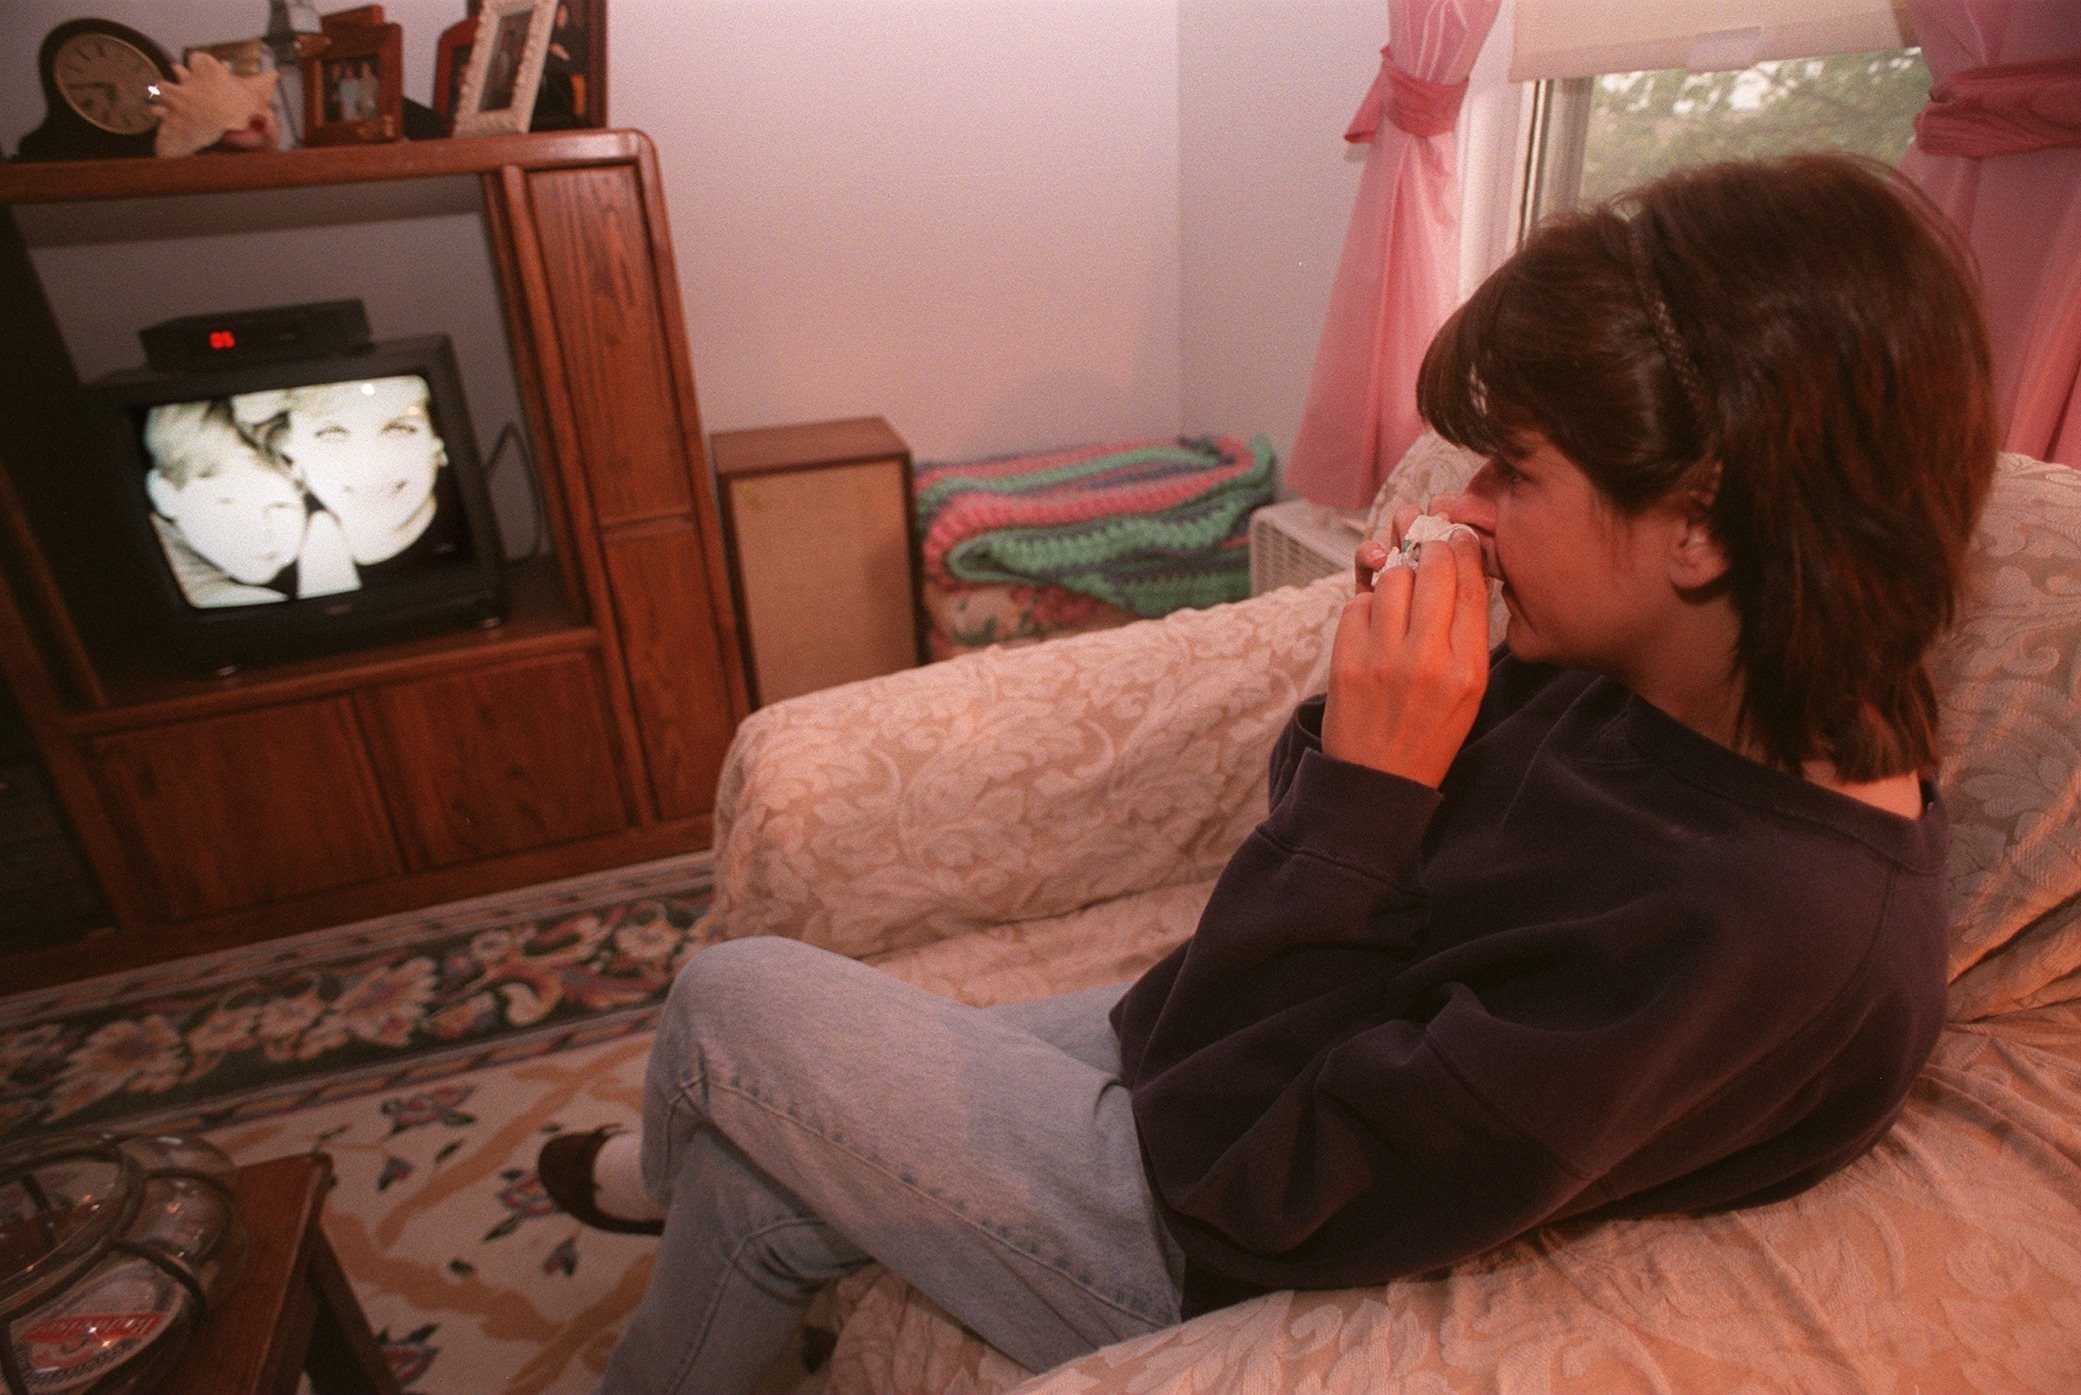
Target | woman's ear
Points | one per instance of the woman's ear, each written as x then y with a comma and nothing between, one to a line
1696,559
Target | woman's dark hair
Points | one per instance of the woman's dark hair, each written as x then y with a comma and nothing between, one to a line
1801,342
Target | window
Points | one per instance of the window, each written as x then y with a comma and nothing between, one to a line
1593,137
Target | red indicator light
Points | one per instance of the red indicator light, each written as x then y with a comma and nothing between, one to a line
223,339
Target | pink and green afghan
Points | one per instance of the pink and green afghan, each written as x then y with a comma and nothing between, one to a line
1149,527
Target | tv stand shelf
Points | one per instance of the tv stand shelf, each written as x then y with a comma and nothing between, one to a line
538,620
585,731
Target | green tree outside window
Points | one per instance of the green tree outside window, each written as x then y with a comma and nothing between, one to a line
1645,124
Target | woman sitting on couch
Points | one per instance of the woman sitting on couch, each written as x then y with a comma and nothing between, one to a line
1644,915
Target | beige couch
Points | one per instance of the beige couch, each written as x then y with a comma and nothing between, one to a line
1030,821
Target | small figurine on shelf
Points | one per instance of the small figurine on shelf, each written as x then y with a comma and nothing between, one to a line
294,32
207,105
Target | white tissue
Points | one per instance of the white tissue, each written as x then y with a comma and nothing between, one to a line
1427,528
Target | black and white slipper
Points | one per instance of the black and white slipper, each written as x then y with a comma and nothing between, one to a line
566,1169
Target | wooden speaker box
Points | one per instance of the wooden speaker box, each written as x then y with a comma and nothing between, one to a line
823,552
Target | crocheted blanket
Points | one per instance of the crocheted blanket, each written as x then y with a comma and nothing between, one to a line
1150,527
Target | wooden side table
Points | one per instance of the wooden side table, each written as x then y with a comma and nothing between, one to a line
288,1308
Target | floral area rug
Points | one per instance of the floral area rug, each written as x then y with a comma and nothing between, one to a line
209,1041
473,1282
429,1055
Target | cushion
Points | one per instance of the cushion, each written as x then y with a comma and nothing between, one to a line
2008,679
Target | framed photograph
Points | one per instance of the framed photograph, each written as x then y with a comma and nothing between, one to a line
451,63
360,17
573,90
574,76
505,68
354,87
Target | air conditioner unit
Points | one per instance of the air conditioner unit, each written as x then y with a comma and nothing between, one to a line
1295,542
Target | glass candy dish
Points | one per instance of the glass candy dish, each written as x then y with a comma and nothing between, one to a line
109,1250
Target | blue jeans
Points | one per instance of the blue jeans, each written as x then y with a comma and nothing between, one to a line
804,1114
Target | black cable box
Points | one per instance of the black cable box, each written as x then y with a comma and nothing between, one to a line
256,336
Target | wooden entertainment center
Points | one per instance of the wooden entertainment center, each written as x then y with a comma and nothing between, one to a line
585,732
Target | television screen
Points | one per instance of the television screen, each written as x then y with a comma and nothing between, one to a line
301,506
289,493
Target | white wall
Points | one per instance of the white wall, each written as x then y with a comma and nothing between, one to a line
1002,224
959,214
1268,183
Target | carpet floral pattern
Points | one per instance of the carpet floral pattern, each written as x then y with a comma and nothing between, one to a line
261,1031
429,1056
472,1281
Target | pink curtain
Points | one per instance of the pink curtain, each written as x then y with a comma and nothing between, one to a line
1999,149
1399,276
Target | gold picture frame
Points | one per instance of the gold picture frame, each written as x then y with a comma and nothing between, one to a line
498,87
353,87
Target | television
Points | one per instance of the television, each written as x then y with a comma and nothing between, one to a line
284,509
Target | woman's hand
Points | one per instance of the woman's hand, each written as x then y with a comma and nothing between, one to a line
1410,660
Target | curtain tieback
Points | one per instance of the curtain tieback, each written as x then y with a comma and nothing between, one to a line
2003,109
1421,108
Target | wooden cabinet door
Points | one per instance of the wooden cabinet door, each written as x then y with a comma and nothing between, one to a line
614,330
676,668
228,812
497,760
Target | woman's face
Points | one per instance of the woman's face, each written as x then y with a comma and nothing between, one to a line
245,517
1586,587
368,453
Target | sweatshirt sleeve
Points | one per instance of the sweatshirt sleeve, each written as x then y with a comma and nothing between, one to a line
1326,874
1299,1130
1270,1152
1408,1029
1257,1140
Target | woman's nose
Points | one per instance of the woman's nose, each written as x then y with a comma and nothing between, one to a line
1474,508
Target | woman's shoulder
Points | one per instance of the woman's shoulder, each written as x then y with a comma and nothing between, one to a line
1795,815
1582,778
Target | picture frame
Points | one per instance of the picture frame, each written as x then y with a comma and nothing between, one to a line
360,17
451,63
574,76
507,54
573,90
354,88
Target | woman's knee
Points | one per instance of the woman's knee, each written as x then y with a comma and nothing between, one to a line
719,1009
738,978
754,959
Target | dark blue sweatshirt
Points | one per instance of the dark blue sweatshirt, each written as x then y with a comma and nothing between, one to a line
1610,967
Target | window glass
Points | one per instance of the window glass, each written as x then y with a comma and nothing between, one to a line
1641,125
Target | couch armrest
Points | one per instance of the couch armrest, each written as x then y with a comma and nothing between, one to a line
1013,783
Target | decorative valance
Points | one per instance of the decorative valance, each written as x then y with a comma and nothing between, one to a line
1579,38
